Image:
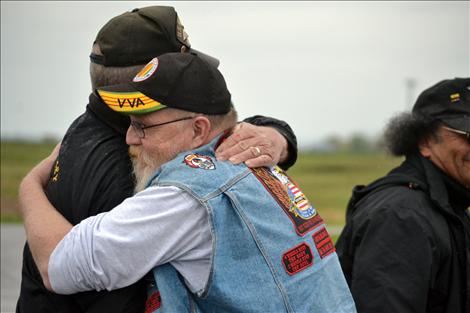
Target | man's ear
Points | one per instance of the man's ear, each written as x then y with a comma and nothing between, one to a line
425,148
201,130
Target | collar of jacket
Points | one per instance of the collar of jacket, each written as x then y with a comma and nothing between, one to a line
114,120
416,172
434,179
459,195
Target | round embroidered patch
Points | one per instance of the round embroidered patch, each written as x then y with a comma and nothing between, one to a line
199,161
147,71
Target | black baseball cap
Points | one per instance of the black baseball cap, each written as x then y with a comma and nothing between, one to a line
176,80
447,101
136,37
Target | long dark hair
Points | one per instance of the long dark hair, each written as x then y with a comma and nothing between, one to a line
406,131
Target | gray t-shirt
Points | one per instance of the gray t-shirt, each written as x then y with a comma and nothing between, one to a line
117,248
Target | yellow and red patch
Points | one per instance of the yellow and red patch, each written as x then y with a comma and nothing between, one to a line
147,71
129,102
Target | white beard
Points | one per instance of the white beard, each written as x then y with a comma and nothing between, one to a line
144,167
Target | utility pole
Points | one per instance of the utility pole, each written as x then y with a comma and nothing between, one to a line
410,84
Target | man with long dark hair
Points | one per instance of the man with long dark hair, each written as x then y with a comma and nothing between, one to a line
405,247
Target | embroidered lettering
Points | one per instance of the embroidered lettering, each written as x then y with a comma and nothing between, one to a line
55,174
297,259
134,103
323,243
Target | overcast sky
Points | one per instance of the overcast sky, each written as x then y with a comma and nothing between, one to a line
324,67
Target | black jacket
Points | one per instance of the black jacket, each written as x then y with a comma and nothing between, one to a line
93,175
405,246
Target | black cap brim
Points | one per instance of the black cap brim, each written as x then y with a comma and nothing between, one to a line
459,123
209,59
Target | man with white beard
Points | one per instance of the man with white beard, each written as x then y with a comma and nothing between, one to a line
93,172
218,236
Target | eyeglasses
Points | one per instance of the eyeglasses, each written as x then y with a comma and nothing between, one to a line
461,132
139,127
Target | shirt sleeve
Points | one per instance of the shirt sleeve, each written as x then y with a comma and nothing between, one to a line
284,129
117,248
392,263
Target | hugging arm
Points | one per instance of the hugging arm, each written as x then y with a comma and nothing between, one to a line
44,226
260,141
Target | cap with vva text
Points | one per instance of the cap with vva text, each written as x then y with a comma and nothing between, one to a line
176,80
447,101
136,37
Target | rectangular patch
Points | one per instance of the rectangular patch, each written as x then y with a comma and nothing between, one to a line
297,259
323,243
295,204
153,302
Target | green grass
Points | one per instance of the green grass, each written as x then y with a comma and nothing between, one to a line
17,159
11,218
326,179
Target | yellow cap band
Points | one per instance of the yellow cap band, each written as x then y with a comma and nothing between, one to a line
130,102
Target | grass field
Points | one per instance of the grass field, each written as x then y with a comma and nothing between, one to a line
326,179
16,160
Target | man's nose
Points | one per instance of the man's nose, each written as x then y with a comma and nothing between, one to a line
131,137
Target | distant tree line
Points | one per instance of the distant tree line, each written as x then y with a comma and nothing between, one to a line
355,143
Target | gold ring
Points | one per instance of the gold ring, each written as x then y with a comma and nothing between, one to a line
256,151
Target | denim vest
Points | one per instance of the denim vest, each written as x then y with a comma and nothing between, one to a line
270,249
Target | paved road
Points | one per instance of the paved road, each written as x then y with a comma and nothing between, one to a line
12,241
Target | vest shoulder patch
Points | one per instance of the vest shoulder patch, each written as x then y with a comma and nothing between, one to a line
199,161
323,243
290,197
297,259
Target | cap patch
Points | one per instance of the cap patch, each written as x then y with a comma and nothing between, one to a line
147,71
181,34
454,97
199,161
129,102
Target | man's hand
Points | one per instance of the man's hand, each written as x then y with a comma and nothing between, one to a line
44,226
41,171
254,145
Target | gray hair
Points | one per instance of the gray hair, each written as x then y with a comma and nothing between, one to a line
223,121
101,75
219,122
